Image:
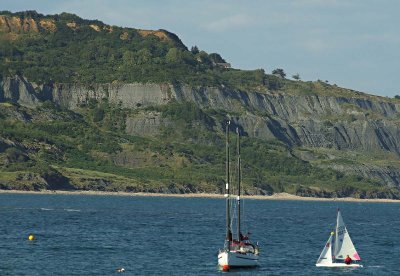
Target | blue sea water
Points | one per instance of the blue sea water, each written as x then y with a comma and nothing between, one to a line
94,235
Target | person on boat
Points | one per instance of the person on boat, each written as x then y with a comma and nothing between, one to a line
230,236
235,244
244,237
347,260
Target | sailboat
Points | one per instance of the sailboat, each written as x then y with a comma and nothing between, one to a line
338,247
238,251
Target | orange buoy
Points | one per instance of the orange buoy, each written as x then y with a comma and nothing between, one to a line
31,237
225,268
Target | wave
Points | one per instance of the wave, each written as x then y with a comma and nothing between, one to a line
72,210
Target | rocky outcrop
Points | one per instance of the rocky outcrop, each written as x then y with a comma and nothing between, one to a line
17,25
389,175
19,90
51,180
145,124
127,95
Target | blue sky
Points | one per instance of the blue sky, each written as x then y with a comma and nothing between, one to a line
351,43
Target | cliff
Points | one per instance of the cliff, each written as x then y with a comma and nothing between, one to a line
302,120
85,105
318,129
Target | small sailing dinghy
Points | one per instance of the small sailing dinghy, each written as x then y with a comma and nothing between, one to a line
339,247
238,251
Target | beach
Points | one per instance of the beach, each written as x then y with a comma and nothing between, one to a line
276,196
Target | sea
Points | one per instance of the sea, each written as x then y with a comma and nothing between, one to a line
96,235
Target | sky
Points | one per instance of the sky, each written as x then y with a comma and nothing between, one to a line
352,43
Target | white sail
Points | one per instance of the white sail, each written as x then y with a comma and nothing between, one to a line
343,244
326,255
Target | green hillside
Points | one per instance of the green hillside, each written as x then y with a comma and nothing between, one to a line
89,148
65,48
59,149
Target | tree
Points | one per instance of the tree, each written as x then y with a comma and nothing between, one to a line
259,76
279,72
194,50
216,58
203,57
296,76
144,56
397,97
174,55
128,57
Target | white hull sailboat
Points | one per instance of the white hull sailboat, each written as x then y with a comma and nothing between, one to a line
238,251
339,247
339,265
232,259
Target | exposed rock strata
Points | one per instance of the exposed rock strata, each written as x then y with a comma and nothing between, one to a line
366,124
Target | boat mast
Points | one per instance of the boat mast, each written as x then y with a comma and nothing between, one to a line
227,191
239,176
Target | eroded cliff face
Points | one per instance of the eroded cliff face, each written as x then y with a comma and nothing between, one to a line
315,121
14,26
361,124
17,25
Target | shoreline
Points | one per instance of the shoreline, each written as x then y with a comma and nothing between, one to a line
276,196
